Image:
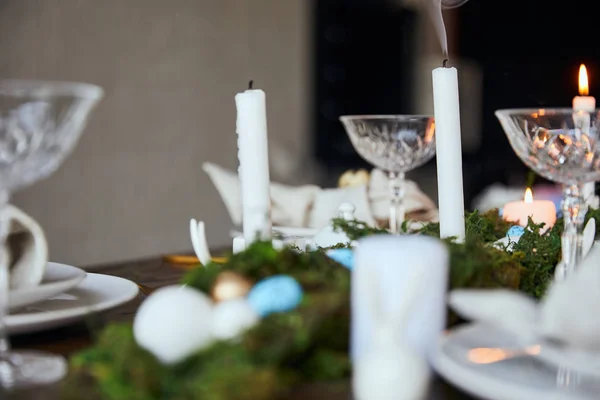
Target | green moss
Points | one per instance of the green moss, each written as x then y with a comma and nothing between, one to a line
310,343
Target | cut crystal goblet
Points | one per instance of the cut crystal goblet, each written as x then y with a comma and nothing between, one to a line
40,123
559,144
396,144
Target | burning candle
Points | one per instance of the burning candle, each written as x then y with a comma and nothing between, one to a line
583,105
540,211
448,153
254,164
583,102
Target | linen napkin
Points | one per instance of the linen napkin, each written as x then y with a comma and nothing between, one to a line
314,207
418,206
568,314
26,248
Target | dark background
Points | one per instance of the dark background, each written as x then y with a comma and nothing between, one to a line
529,52
363,63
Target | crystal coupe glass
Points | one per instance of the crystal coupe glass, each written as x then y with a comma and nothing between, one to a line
396,144
561,145
40,123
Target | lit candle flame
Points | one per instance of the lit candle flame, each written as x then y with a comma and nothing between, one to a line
583,81
528,196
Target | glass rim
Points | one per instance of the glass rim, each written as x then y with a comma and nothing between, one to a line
39,88
547,111
384,116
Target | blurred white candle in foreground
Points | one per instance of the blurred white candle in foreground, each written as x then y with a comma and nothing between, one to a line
448,153
583,105
540,211
383,267
254,164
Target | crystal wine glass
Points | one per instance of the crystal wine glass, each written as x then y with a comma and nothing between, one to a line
559,144
396,144
40,123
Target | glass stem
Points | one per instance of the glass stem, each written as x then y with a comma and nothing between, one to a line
4,277
574,209
397,211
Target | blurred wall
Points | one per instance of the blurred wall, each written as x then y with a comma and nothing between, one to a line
170,70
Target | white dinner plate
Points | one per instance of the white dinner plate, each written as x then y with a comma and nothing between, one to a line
583,361
58,278
519,378
96,293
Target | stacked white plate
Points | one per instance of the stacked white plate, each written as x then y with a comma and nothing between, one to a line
67,294
548,373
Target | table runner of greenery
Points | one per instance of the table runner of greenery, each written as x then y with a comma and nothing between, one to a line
310,343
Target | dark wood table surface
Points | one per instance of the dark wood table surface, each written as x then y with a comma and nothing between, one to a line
155,273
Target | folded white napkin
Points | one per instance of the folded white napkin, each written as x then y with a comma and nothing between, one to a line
418,205
26,248
568,313
496,196
314,207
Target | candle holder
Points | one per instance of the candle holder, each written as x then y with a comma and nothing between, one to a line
560,145
396,144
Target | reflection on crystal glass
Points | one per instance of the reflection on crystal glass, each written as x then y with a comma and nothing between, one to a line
395,144
558,144
561,145
40,123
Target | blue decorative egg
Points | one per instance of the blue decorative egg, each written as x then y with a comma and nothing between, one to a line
279,293
500,212
515,231
342,256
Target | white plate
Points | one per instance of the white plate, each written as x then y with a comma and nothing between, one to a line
579,360
96,293
520,378
58,278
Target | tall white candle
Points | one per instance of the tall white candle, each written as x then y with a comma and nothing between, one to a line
582,105
253,156
449,153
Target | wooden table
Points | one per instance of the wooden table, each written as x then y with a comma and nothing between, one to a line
155,273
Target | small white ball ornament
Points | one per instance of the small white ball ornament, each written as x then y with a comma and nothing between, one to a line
231,318
173,323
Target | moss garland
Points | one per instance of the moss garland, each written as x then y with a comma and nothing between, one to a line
310,343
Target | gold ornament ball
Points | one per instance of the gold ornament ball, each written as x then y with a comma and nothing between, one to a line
230,285
354,178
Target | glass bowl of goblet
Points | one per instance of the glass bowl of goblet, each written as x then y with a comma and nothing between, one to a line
559,144
396,144
40,124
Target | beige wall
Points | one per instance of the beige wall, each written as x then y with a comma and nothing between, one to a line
170,69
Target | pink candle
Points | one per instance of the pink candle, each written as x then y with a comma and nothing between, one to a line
540,211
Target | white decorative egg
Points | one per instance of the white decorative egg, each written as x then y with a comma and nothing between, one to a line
173,323
231,318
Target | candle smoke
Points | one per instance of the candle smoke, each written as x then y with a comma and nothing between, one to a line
435,10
